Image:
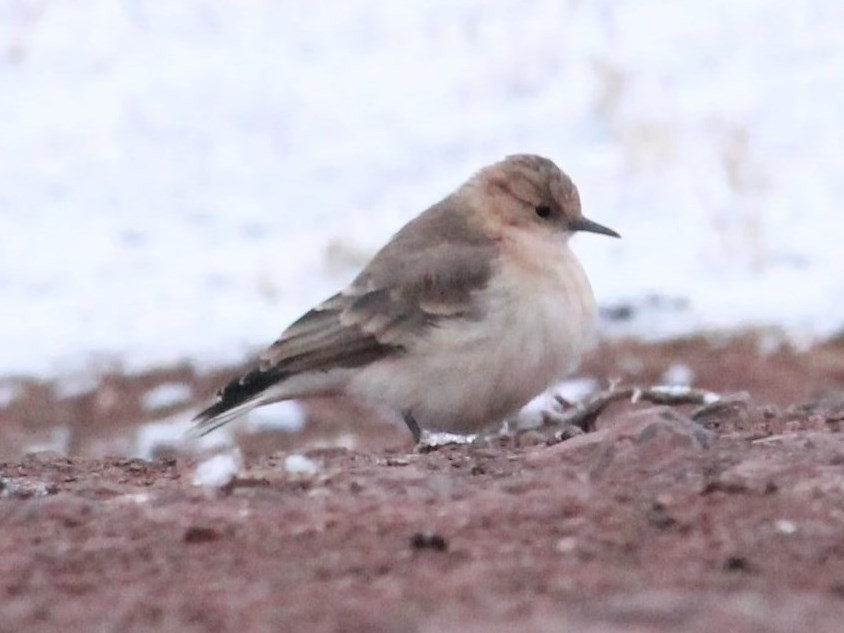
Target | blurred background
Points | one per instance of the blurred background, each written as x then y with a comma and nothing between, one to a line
180,180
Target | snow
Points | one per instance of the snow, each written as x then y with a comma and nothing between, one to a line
133,498
176,433
78,384
532,415
679,391
575,389
678,374
218,471
189,177
285,416
167,395
301,465
57,442
431,439
8,392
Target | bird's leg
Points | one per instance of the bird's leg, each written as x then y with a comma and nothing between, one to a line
412,424
427,441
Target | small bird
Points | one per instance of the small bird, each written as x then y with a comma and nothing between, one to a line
471,310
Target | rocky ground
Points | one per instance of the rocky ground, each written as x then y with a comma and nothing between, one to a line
658,521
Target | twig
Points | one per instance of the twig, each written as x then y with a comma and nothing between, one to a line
584,415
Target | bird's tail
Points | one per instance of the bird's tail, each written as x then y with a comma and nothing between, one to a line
235,399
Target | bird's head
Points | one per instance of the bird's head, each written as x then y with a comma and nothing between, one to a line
530,193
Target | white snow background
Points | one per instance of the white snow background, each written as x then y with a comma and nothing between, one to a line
180,180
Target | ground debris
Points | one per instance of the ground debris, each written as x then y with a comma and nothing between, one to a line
584,415
201,534
428,540
721,515
23,488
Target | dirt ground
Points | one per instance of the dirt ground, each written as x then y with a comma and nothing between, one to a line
732,521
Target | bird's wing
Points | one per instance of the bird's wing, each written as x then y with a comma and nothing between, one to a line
384,310
428,273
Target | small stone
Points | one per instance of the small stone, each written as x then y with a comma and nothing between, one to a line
658,516
769,412
737,564
477,469
647,425
200,534
428,540
566,545
566,433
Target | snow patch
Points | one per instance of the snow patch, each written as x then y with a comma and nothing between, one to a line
9,392
678,374
301,465
57,442
167,395
187,198
573,390
431,439
174,433
288,415
784,526
218,471
136,498
576,389
77,384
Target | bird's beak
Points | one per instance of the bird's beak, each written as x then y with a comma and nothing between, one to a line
582,224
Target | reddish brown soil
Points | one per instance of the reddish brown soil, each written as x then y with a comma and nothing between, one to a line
653,523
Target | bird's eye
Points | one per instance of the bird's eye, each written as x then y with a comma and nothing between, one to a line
543,211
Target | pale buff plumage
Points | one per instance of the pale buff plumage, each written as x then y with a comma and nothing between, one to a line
472,309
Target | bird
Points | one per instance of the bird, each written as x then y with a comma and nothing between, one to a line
468,312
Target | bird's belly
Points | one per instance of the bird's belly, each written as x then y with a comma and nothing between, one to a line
468,374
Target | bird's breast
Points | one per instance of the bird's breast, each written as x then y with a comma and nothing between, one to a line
548,310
